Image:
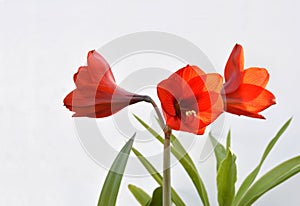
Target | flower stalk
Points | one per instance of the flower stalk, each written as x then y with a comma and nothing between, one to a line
167,200
157,111
167,168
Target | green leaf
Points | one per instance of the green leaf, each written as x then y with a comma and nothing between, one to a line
195,177
228,141
271,179
110,189
150,168
157,177
251,177
156,197
140,195
175,142
226,178
185,160
219,150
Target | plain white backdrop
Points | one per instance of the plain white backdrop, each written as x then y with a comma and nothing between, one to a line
42,43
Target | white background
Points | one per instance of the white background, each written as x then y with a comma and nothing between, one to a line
42,43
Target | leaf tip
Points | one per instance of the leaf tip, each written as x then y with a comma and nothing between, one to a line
130,186
228,142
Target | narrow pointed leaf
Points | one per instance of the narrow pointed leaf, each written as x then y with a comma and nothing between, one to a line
157,177
271,179
140,195
110,189
226,178
149,167
251,177
185,160
219,150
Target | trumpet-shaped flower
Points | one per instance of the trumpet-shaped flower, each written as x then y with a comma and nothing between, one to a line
97,94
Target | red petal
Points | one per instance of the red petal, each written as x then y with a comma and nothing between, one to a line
194,87
83,79
166,95
204,94
213,82
96,72
99,69
200,131
209,107
193,125
249,100
68,101
234,68
210,114
207,100
256,76
237,111
100,110
173,121
189,72
86,101
82,70
203,83
84,96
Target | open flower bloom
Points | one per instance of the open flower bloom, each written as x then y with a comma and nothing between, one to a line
191,99
97,94
244,91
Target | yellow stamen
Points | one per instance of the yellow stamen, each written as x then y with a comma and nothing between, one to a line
190,113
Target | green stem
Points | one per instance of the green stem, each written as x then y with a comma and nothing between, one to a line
160,118
166,155
167,168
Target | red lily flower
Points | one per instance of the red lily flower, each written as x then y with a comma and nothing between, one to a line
97,94
244,91
191,99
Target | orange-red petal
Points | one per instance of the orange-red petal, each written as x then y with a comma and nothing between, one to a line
98,68
213,82
169,101
234,68
211,113
249,100
193,87
189,72
256,76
